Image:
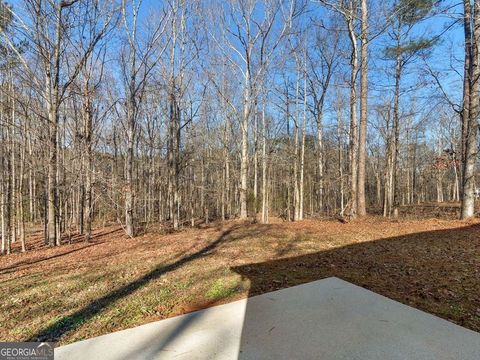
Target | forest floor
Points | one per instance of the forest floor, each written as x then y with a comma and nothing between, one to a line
81,289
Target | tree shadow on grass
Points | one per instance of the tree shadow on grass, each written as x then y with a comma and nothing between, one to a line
76,239
434,271
16,266
69,323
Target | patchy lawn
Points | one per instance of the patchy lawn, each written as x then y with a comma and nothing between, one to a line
80,290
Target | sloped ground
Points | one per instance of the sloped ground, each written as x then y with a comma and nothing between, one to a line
444,210
83,289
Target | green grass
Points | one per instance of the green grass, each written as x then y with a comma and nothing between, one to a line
61,294
221,289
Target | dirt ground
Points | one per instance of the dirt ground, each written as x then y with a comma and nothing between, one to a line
81,289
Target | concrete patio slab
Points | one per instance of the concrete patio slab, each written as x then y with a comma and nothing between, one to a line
325,319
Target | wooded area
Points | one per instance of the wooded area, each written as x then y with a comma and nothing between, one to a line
182,112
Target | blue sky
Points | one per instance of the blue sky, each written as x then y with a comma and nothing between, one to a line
447,54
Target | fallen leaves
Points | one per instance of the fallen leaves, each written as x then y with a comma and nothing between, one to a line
433,265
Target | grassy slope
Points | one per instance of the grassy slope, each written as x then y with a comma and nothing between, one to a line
82,289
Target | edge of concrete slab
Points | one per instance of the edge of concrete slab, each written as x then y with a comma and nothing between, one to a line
236,326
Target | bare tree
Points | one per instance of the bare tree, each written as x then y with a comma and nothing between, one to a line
252,42
471,105
47,33
138,59
361,204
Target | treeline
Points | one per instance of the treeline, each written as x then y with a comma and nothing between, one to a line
189,111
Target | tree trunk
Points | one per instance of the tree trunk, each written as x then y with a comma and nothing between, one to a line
52,96
130,188
361,205
472,75
396,130
302,149
255,159
264,168
244,150
340,159
353,141
88,167
320,161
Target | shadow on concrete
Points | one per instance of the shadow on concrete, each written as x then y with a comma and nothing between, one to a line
434,271
151,346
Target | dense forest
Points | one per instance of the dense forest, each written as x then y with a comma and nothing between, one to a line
186,111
